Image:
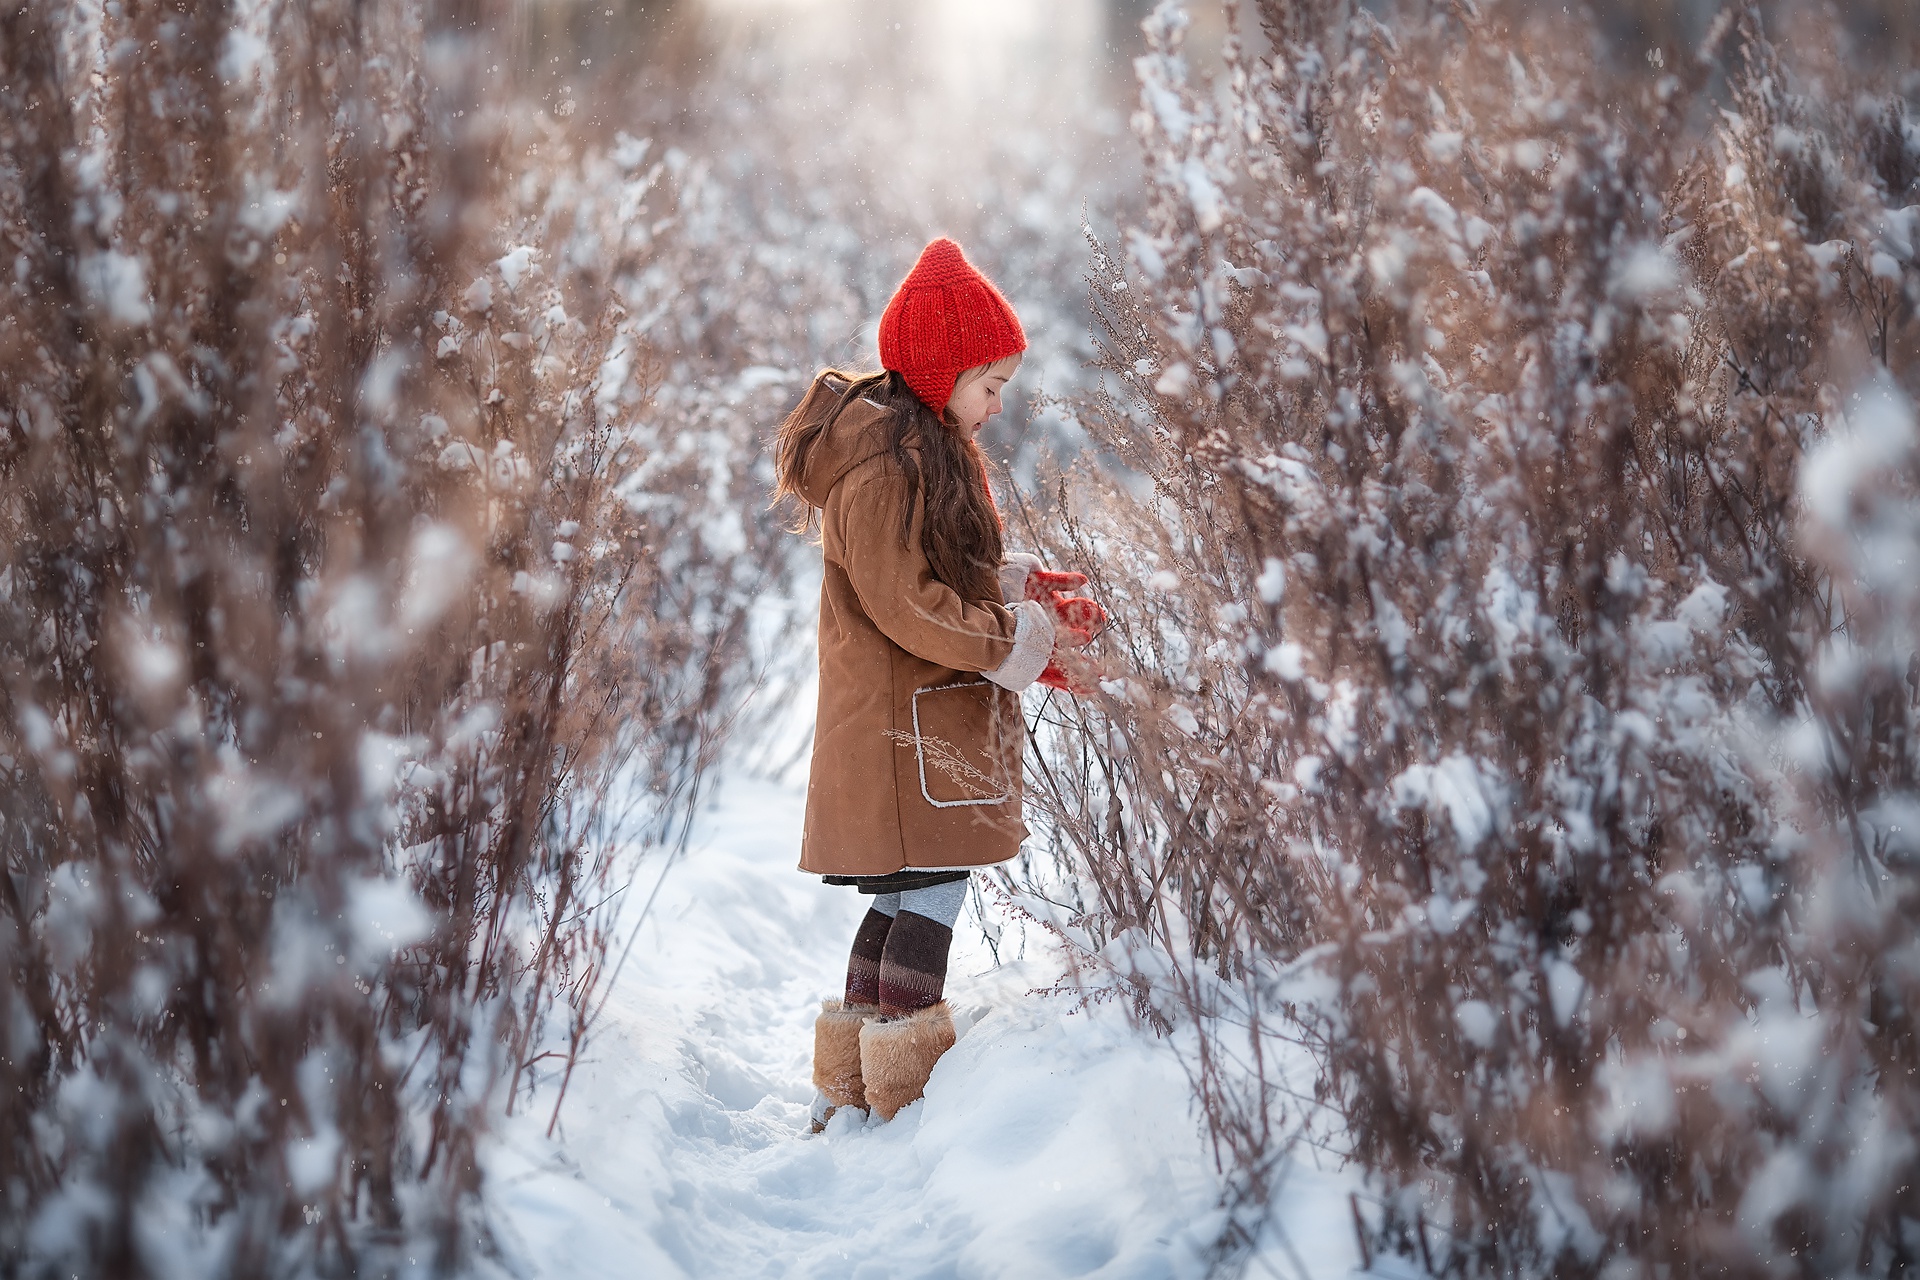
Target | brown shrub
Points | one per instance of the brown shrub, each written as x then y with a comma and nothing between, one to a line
1515,633
362,613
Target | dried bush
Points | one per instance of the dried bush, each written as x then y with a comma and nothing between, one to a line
1513,670
363,611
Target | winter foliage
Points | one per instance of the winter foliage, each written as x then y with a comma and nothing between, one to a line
365,613
1500,468
1512,682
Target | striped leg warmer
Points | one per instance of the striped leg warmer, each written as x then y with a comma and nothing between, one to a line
913,959
898,1050
869,944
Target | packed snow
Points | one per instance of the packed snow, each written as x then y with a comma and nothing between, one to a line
1055,1138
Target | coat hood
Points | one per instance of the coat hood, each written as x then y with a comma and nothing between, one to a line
862,431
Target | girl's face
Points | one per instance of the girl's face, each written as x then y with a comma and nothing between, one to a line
976,395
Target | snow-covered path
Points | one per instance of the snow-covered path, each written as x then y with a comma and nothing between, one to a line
1052,1141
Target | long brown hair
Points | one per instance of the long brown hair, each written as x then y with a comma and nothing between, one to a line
946,472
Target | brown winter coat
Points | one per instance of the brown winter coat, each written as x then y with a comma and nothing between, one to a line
916,758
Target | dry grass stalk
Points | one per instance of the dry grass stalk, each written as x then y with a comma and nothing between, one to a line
1519,653
360,625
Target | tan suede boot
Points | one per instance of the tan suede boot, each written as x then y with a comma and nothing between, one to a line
836,1058
897,1056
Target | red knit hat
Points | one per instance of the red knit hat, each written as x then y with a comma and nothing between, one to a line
944,319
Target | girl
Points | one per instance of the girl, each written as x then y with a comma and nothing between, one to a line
928,633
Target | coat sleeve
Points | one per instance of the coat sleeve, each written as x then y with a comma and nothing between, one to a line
914,609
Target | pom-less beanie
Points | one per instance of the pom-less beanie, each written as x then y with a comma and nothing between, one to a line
944,319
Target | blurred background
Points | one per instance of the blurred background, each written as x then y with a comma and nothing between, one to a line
843,134
836,137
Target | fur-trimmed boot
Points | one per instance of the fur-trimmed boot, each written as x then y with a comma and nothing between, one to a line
897,1056
836,1058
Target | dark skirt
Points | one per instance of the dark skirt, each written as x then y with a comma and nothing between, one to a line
900,881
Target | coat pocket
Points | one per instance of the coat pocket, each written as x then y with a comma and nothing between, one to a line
957,740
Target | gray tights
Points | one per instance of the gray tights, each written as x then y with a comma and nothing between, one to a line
939,903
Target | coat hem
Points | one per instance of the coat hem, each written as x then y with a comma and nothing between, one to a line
968,866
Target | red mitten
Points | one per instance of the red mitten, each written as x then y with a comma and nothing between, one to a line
1043,583
1080,679
1079,616
1076,621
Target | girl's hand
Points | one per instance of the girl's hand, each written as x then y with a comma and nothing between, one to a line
1043,583
1076,620
1071,673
